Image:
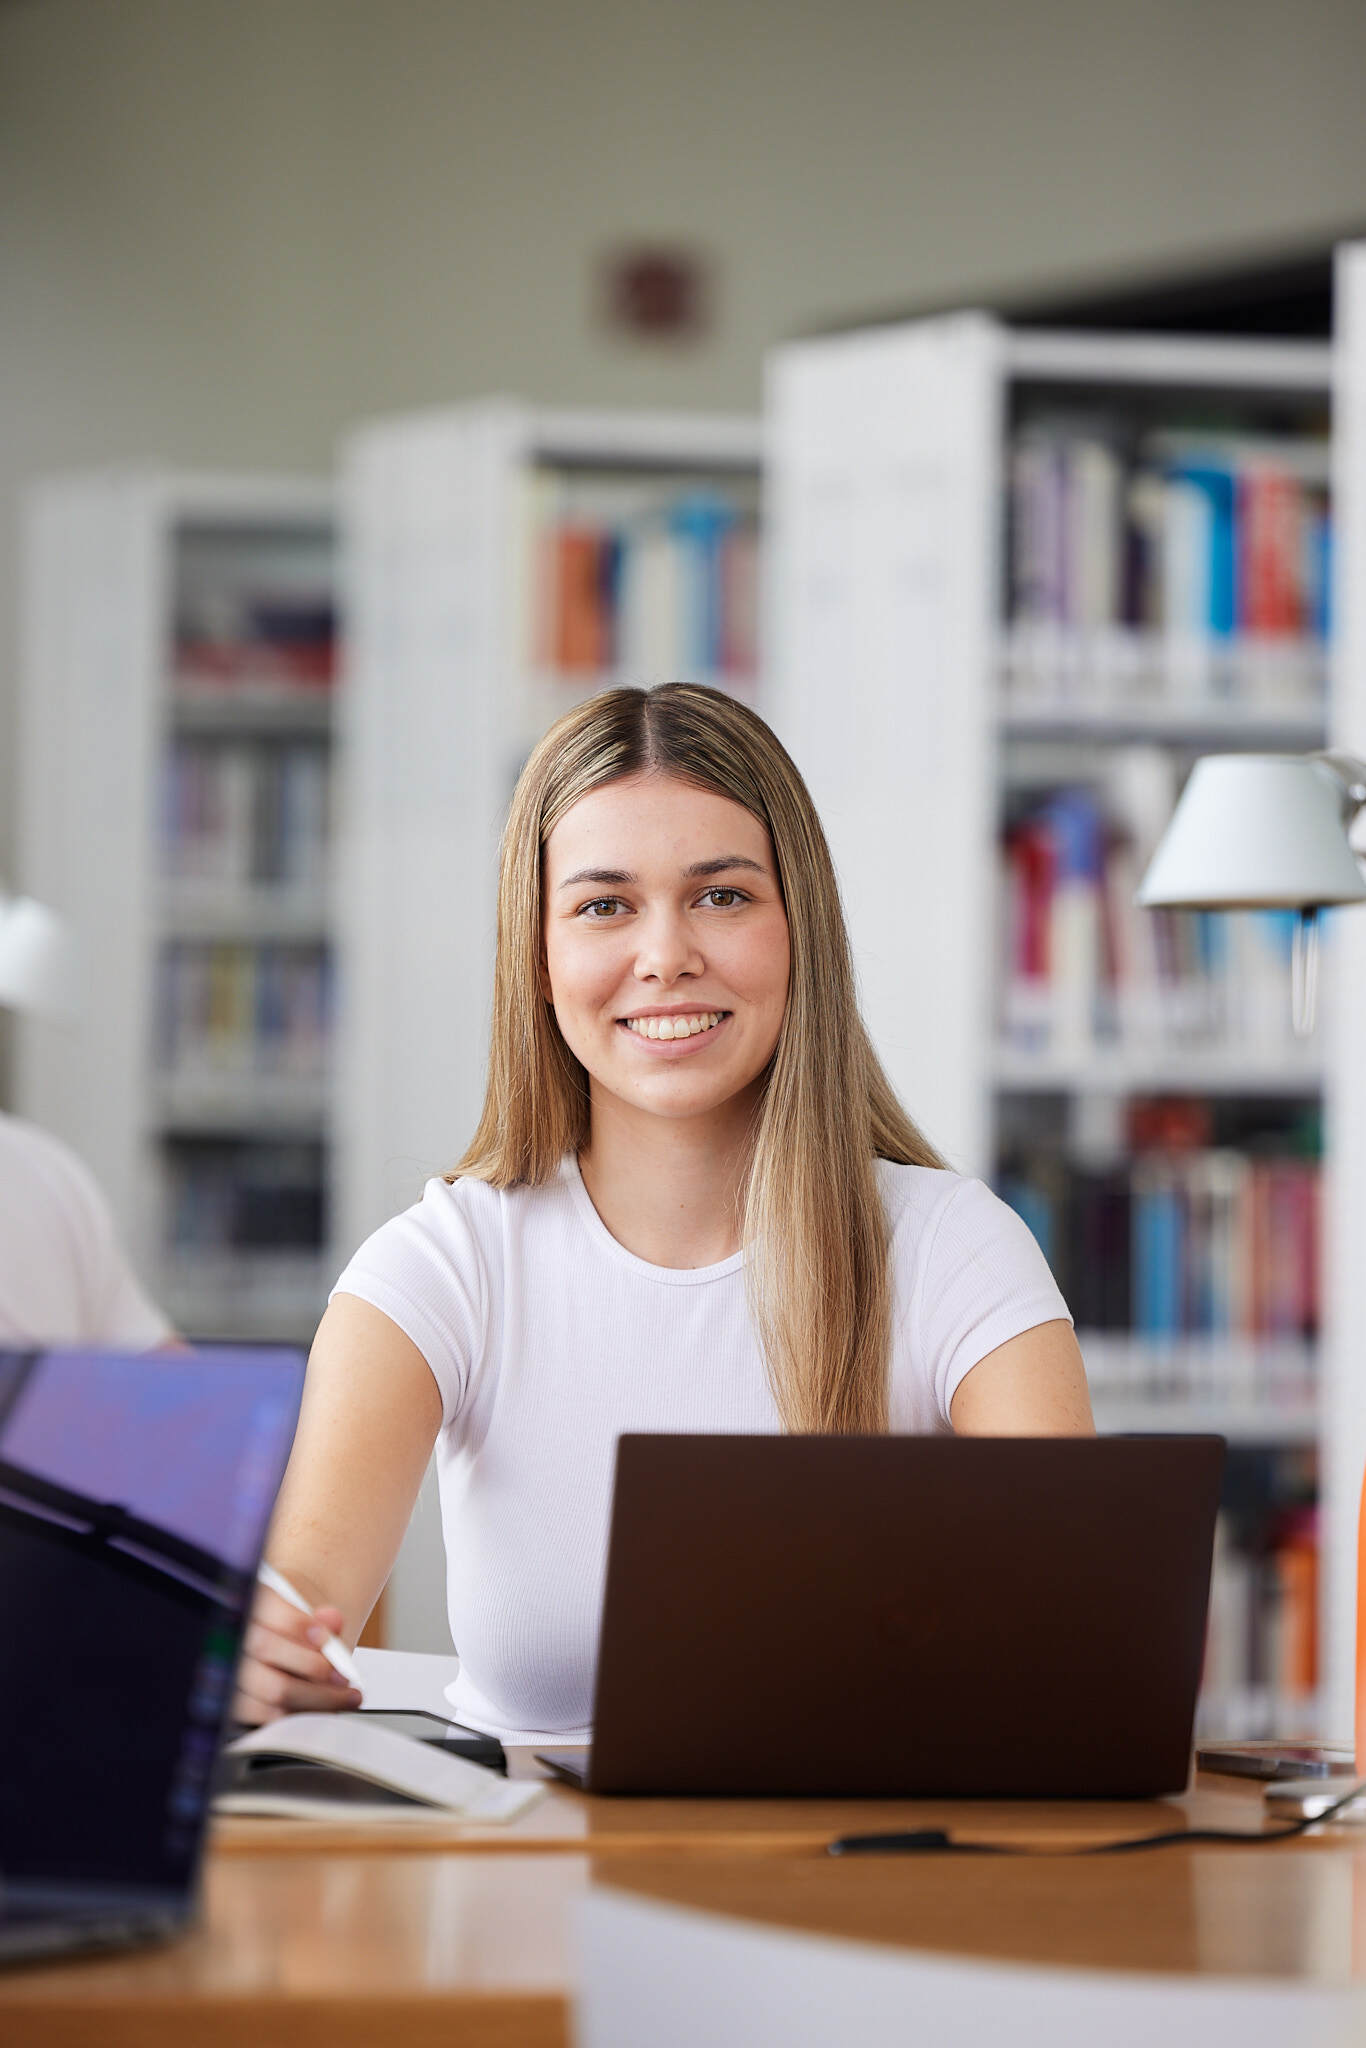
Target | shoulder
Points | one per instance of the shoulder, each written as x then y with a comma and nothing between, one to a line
920,1200
23,1145
467,1217
38,1167
438,1272
940,1222
455,1238
914,1195
453,1225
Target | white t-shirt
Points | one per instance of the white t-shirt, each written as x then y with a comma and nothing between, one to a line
63,1276
548,1340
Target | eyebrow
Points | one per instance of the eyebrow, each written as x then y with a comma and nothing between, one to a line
719,864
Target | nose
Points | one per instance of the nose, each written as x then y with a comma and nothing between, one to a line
666,948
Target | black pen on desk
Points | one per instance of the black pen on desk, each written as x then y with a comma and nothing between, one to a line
332,1647
890,1844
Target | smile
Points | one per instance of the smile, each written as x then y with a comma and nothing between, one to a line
686,1024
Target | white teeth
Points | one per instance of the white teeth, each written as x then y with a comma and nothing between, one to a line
673,1027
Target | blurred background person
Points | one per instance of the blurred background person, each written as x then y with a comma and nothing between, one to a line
64,1277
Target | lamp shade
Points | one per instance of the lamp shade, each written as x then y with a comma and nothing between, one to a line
36,966
1255,832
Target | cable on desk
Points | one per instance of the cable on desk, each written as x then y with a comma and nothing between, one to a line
918,1841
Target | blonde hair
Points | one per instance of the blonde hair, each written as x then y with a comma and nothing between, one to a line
813,1223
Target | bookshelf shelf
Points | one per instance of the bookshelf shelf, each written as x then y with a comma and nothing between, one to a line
1252,1389
207,910
1158,1073
1184,361
1276,727
708,442
263,1296
1122,675
1263,1427
249,1104
1017,581
188,708
239,710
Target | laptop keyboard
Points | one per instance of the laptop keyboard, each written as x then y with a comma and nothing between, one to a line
31,1931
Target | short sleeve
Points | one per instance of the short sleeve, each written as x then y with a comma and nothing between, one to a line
983,1281
424,1270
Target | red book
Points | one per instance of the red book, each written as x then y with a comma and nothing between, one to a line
1269,551
1030,850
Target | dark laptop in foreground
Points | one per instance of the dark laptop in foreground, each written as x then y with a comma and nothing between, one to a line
903,1616
134,1497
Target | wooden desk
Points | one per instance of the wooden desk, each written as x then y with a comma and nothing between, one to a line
575,1822
318,1951
307,1942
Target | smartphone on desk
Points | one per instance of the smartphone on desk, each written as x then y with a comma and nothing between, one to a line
451,1736
1276,1760
1308,1798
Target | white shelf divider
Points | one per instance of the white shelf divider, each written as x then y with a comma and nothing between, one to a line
884,478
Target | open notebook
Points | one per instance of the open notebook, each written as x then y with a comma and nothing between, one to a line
342,1767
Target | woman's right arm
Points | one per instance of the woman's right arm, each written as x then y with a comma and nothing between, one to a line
370,1415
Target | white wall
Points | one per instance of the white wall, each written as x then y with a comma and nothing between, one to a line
228,228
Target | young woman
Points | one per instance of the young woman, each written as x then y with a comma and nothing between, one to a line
693,1203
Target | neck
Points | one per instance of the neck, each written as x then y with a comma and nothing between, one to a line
669,1190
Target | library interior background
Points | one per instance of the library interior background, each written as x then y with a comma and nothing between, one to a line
375,371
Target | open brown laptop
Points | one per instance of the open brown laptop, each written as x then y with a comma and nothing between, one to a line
1008,1617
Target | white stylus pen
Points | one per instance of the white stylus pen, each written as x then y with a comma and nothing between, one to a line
335,1651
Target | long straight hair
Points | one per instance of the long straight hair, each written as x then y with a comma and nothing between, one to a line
812,1221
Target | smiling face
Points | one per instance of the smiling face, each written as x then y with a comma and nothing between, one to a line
666,952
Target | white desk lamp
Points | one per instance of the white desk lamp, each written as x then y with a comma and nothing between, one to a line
1265,832
1270,832
36,968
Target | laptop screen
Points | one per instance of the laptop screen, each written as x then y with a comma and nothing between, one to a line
134,1497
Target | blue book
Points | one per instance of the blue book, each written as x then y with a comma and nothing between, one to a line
699,523
611,577
1158,1234
1319,548
1076,827
1218,484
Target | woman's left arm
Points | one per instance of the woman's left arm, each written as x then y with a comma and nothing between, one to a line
1032,1385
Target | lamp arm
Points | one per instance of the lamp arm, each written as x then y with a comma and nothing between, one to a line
1349,772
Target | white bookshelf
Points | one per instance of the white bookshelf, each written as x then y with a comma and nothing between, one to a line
135,586
447,687
896,680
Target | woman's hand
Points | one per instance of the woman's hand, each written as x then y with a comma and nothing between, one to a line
283,1671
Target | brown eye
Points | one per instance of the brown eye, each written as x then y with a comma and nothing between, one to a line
731,896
